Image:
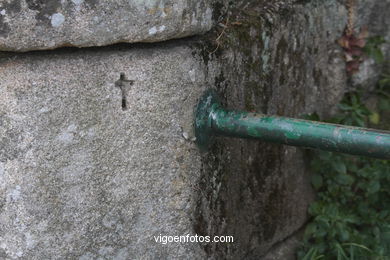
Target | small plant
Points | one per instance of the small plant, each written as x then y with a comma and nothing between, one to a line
357,45
353,111
372,48
350,220
383,91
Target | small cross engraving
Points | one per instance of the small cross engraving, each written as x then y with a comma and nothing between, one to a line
122,83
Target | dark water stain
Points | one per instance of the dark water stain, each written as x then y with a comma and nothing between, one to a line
92,3
317,75
272,214
4,28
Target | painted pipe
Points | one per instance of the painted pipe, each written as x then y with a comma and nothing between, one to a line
212,120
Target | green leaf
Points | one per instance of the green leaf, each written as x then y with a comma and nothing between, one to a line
312,254
354,100
375,118
351,219
386,236
345,107
359,121
340,252
345,179
377,55
384,213
374,186
316,181
357,245
344,234
384,82
315,208
373,49
339,166
311,228
384,104
323,224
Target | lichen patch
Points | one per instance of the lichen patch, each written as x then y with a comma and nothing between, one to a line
57,19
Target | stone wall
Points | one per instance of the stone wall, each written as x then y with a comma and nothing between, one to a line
281,60
87,175
36,24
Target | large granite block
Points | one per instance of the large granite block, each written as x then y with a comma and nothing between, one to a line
35,24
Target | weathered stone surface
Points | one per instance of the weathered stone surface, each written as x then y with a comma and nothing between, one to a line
372,16
80,178
35,24
281,60
285,250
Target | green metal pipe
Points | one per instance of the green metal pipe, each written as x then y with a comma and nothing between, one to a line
214,120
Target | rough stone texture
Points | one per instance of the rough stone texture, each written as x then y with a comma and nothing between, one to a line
36,24
286,250
80,178
281,60
371,14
